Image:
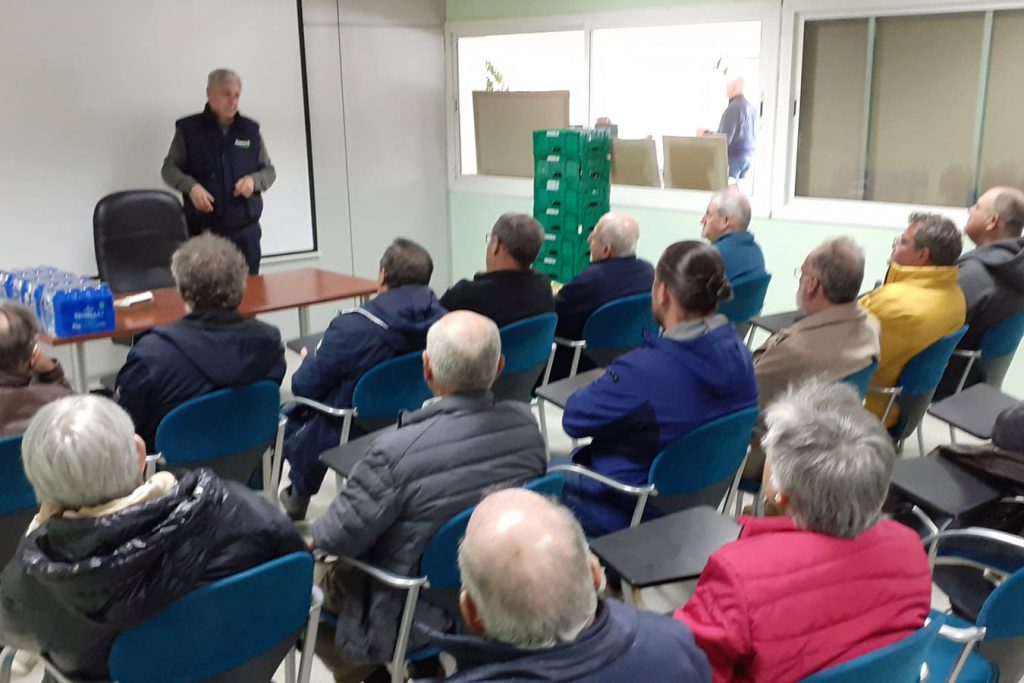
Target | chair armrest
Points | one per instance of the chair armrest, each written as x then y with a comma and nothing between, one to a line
929,524
969,635
570,343
1014,500
967,353
637,491
321,407
384,576
885,391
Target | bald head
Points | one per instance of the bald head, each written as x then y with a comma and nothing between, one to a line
616,234
528,576
463,353
998,214
17,336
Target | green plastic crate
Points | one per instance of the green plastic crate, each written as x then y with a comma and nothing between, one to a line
572,143
561,262
555,166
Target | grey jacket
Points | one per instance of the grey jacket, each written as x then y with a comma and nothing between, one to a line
440,461
992,278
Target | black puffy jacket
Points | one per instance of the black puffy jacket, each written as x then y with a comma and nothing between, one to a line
75,584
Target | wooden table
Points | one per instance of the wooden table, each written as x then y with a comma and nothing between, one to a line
263,293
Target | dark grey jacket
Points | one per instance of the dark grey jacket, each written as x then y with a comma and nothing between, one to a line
992,278
440,461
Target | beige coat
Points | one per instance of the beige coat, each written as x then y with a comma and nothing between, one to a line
832,344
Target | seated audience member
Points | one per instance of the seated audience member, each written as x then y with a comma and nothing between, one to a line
394,323
531,607
920,301
991,276
835,338
439,462
509,290
212,347
29,379
826,581
697,371
614,272
724,225
108,550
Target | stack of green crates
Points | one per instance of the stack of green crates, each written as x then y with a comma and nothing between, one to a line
571,186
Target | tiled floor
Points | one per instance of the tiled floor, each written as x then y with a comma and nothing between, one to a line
663,599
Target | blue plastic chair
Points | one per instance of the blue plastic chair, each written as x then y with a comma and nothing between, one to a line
998,632
897,663
228,430
613,329
996,351
527,347
236,630
861,379
17,499
916,387
439,578
747,300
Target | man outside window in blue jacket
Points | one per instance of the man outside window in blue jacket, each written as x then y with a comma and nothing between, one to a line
395,322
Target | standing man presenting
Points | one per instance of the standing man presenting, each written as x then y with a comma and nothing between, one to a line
739,126
219,162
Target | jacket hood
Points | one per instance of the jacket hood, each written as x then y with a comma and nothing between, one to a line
205,338
925,276
718,357
1003,259
738,237
133,561
408,311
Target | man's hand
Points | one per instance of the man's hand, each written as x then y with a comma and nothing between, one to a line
201,199
303,353
245,186
40,363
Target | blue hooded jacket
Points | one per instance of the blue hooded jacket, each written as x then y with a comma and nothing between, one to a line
393,323
623,644
741,255
646,400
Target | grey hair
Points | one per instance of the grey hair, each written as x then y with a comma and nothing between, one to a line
939,235
521,235
1008,205
79,452
17,336
830,456
616,235
464,360
735,205
839,267
533,605
218,75
210,273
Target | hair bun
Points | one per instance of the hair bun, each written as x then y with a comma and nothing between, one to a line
724,290
717,286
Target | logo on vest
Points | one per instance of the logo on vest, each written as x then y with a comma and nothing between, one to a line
246,144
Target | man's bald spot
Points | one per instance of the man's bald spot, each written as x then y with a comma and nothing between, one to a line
464,324
1008,204
620,231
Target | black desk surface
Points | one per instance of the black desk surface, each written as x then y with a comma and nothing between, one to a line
974,410
343,458
776,321
673,548
560,391
940,486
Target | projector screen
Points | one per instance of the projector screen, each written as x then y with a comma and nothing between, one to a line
90,93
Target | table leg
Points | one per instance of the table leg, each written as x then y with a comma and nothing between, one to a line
364,299
303,321
80,382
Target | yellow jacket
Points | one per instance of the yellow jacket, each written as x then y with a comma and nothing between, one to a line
917,306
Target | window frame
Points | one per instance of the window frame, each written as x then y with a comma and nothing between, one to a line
764,11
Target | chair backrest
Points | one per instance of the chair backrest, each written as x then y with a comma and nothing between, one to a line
134,234
748,295
618,326
998,347
861,379
219,627
439,562
526,345
706,459
897,663
388,388
17,499
227,430
1001,612
919,379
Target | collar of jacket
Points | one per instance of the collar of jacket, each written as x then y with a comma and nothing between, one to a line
214,317
836,313
15,379
504,273
737,236
467,400
923,276
761,526
695,328
212,118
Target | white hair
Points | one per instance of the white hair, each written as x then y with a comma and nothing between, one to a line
464,350
79,452
617,234
735,205
532,600
218,75
832,458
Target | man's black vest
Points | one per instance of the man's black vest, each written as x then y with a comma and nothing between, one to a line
217,161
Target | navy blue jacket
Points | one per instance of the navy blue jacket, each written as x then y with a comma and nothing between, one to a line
217,160
623,644
595,286
393,323
646,400
739,125
741,255
202,352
